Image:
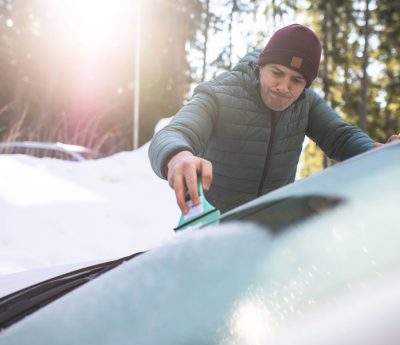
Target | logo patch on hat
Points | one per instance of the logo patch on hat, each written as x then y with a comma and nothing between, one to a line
296,62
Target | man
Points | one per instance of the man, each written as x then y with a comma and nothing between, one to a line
243,131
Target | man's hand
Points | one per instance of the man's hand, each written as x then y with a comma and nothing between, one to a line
392,138
182,171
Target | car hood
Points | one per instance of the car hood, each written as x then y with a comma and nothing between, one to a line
240,283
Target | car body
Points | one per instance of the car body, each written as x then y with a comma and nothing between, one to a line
315,262
52,150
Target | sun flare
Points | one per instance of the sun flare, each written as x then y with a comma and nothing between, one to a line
91,25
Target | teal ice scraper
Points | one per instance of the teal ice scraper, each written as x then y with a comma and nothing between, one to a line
204,212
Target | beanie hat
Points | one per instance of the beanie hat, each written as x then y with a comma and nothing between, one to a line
294,46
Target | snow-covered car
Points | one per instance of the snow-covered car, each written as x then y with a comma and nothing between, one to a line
315,262
52,150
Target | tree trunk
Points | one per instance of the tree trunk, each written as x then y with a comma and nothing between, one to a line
325,76
346,67
233,10
364,78
206,28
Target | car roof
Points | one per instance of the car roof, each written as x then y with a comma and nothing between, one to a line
238,282
76,152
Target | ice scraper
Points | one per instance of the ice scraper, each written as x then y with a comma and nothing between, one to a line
204,212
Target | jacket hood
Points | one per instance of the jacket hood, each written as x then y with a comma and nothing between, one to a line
248,63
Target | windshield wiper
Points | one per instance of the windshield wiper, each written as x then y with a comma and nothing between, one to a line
17,305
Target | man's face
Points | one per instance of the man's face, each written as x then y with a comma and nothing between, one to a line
280,86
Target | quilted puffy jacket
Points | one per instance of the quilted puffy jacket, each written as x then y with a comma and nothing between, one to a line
253,149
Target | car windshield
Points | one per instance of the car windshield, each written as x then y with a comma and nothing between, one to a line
273,216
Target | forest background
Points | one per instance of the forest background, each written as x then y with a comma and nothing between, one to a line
68,75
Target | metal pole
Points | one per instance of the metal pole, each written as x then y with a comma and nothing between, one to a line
136,97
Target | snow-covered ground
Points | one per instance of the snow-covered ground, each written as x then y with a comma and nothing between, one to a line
55,212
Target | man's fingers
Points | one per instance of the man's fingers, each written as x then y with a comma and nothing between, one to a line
179,188
182,172
394,138
206,173
191,184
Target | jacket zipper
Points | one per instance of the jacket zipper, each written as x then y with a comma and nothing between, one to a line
268,157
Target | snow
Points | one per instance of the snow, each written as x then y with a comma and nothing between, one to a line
55,212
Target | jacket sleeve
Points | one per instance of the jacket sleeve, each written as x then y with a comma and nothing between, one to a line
338,139
189,129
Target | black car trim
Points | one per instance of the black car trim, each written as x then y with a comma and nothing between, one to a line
281,213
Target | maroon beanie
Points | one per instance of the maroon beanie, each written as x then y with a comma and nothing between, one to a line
294,46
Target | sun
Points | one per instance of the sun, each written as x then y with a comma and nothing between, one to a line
91,25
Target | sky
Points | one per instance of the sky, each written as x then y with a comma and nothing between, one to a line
56,213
